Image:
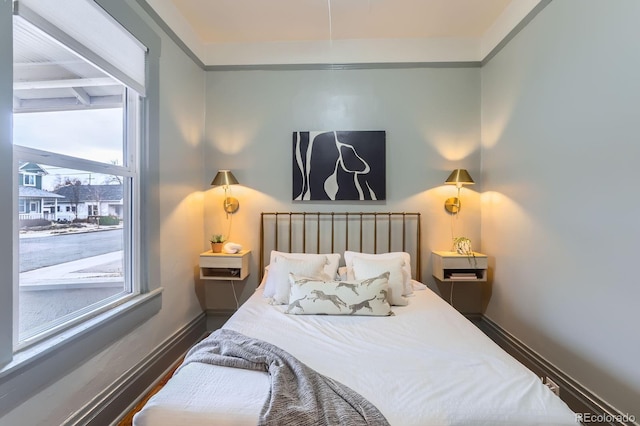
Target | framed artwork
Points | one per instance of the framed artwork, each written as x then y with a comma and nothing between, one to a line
339,165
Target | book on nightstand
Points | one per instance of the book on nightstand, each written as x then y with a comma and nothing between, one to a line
463,276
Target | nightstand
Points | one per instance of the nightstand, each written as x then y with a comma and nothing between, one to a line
218,268
224,266
451,268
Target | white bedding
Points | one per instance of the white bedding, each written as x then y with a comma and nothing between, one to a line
427,365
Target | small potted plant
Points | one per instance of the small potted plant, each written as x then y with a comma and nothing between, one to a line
217,240
462,245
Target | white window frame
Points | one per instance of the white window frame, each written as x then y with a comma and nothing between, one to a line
32,181
132,120
92,209
25,373
131,277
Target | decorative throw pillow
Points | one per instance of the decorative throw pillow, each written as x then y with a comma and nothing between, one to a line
356,297
280,269
365,268
406,257
330,268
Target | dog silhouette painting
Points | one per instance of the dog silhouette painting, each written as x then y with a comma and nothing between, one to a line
339,165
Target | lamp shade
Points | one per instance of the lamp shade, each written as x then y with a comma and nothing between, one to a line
224,177
459,177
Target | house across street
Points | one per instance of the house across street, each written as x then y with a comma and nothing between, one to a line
68,201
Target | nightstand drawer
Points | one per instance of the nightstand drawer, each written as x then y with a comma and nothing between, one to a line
451,266
465,262
220,262
224,266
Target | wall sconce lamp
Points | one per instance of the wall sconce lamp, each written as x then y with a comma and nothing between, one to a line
226,178
458,177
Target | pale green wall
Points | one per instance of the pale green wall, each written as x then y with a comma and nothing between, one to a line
432,121
560,114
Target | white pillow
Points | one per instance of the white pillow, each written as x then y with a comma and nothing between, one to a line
280,269
406,257
367,268
332,259
357,297
269,285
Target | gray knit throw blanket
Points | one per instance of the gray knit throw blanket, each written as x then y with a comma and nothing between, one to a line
299,395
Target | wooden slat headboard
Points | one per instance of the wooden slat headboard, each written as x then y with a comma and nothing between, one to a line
336,232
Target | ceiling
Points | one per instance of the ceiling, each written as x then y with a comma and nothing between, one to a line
241,33
237,32
242,21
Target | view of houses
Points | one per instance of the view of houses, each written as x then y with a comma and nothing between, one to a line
70,200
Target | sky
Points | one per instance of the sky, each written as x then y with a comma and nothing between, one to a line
90,134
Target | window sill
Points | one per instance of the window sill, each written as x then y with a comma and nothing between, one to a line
45,362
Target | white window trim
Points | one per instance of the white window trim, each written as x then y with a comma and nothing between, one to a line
129,171
131,280
28,372
29,175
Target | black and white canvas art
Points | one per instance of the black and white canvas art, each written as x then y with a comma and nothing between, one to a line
339,165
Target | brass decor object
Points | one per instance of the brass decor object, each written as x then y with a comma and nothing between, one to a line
226,178
458,177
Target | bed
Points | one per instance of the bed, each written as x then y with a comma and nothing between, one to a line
421,363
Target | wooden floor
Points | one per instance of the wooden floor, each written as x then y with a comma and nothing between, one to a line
127,420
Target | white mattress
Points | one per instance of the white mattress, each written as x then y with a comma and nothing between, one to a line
427,365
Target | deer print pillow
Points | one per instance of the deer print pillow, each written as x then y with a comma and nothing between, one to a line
355,297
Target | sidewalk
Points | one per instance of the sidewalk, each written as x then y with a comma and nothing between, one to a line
67,230
92,272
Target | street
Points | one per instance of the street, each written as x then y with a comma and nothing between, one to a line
39,252
60,274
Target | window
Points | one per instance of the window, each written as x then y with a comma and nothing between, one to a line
92,210
29,365
79,127
28,179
